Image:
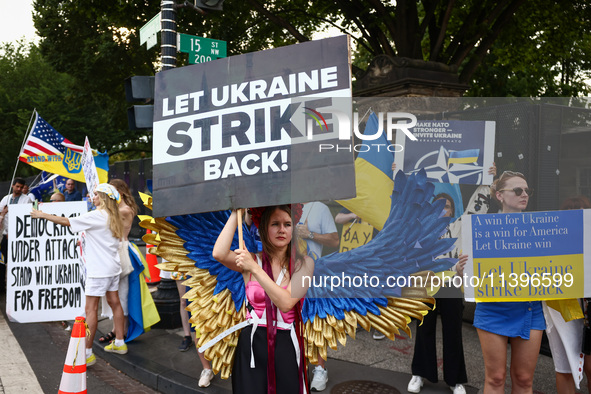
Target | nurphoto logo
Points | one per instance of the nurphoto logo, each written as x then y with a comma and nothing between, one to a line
402,121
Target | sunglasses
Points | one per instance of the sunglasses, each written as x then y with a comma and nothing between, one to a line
519,191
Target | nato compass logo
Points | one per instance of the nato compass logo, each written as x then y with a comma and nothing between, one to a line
451,166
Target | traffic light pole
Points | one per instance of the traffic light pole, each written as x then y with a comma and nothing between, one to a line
168,34
167,298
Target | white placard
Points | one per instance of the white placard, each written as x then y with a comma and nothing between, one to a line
44,275
89,168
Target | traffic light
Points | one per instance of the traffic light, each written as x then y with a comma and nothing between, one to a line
209,4
140,89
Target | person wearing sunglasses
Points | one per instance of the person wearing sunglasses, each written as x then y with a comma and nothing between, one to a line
521,322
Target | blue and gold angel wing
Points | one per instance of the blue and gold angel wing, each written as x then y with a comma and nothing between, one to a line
407,245
406,248
217,295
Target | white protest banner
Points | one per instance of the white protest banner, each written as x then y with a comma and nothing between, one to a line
245,131
89,168
44,277
527,256
451,151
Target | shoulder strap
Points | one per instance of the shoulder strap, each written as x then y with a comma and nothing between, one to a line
281,274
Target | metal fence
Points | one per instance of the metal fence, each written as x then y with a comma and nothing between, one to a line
530,138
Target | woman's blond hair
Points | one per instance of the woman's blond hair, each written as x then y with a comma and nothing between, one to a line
112,208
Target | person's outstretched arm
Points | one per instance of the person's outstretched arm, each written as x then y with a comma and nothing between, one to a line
37,214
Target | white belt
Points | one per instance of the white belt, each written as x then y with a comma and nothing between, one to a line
255,321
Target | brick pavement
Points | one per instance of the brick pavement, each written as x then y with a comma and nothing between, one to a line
101,370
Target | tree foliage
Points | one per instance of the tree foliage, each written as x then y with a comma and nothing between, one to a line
27,82
552,58
87,49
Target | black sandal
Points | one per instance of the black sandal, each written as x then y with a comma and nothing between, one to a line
107,337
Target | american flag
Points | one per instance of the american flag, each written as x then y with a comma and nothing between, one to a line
44,140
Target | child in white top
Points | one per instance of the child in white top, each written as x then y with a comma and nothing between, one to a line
103,228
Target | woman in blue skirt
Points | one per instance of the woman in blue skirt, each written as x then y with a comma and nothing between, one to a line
521,322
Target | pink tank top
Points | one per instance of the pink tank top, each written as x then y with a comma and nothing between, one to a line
255,295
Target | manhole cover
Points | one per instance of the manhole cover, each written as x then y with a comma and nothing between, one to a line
363,387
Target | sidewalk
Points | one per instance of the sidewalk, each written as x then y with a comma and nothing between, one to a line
154,359
16,375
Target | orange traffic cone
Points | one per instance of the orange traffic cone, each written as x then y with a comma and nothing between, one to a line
74,376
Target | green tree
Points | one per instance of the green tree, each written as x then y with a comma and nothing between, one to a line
97,44
27,82
553,60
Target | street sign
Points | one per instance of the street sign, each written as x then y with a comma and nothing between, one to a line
200,49
149,31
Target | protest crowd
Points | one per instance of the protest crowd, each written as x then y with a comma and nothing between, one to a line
247,274
267,277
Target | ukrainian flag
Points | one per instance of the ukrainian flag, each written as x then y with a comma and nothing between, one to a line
463,156
69,165
46,149
142,310
373,179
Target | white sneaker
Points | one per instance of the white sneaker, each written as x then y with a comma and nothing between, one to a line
458,389
378,335
415,384
319,379
205,378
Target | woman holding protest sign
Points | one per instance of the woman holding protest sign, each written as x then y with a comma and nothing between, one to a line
103,228
520,322
450,306
450,300
268,354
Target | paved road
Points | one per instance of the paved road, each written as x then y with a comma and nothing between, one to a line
33,355
32,360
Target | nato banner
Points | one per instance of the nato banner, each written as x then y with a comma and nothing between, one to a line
527,256
245,131
451,151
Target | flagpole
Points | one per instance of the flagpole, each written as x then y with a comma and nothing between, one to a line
22,145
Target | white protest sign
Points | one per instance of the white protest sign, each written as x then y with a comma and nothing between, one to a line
89,168
44,277
247,131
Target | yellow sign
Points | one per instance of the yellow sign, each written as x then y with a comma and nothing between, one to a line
534,278
355,235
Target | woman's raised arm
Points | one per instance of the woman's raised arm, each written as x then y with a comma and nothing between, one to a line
222,249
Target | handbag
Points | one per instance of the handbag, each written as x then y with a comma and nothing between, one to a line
126,267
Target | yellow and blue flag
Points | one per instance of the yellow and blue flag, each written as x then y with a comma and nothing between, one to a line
142,310
463,156
373,179
48,150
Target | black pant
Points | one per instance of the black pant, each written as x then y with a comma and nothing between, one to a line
254,380
424,361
